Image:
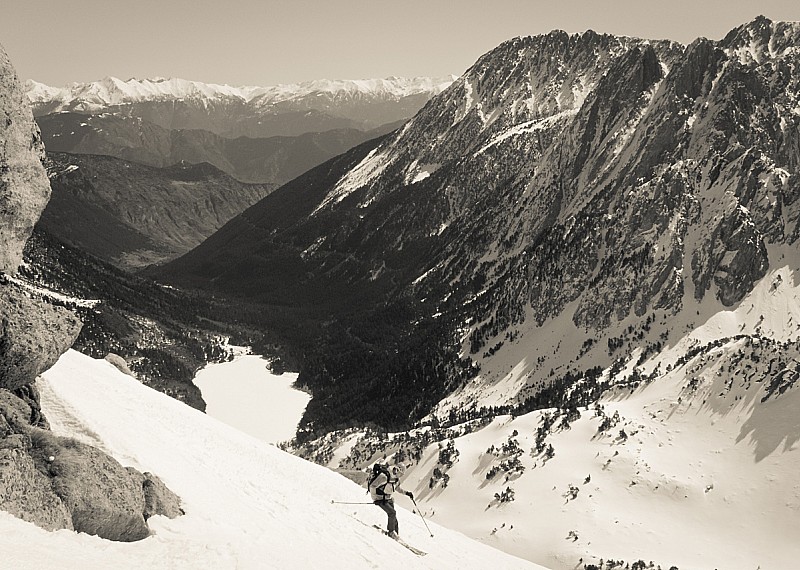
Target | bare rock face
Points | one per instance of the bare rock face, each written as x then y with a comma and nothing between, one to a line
33,334
24,187
15,413
30,396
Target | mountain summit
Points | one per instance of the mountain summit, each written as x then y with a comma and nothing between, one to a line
586,189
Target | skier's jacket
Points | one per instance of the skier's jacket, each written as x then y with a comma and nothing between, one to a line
382,485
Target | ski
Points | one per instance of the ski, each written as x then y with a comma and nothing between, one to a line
402,542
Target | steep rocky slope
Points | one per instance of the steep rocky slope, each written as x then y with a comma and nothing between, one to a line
134,215
161,334
535,219
669,472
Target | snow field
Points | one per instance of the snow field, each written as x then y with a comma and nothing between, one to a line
693,485
248,504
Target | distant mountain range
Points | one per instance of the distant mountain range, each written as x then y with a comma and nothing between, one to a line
258,112
273,160
255,134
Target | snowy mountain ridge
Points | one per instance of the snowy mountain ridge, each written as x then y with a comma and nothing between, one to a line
111,91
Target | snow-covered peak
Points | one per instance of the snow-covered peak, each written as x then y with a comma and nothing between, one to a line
111,91
39,92
393,86
762,39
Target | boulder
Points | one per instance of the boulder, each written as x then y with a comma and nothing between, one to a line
24,186
33,334
59,483
158,499
103,498
119,363
27,493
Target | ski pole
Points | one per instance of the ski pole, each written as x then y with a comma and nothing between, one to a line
420,516
348,503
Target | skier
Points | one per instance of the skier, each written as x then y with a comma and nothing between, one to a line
382,484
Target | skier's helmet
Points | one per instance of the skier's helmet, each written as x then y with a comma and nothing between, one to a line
398,470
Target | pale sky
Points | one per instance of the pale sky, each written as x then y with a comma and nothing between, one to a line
252,42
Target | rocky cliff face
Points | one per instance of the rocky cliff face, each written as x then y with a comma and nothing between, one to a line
53,482
32,333
24,189
573,188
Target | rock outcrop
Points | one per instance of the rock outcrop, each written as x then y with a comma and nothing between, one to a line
33,334
158,499
24,188
54,482
60,483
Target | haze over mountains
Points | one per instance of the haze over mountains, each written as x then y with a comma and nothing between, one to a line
256,134
133,215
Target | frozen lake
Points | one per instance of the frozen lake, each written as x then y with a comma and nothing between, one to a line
244,394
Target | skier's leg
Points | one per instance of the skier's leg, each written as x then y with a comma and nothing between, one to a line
388,508
393,527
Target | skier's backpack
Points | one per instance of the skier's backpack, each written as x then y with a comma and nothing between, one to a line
377,470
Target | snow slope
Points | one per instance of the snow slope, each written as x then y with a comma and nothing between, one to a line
699,481
248,505
686,488
705,477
